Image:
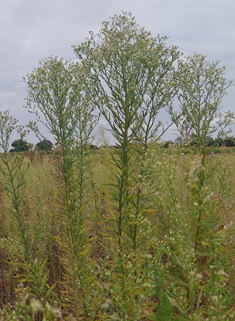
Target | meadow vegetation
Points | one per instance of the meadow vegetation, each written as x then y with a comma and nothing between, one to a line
181,269
137,232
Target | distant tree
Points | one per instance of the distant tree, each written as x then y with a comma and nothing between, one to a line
93,146
209,141
229,141
178,141
45,145
167,143
20,145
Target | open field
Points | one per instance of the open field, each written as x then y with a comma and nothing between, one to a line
172,261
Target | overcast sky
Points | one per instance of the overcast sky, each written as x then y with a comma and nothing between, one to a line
31,30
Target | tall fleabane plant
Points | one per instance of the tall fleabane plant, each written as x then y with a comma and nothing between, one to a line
202,86
59,99
130,78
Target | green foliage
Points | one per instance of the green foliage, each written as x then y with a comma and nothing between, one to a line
45,145
165,278
131,82
57,95
12,169
7,125
130,78
209,141
229,141
20,146
202,87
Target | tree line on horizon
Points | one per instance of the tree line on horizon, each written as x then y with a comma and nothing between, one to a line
20,145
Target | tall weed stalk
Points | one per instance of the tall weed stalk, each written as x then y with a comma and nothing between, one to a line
14,168
66,110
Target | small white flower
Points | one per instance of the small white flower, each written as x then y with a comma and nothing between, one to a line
221,272
108,301
57,312
214,298
199,276
36,305
105,306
